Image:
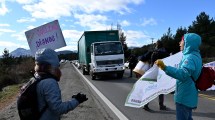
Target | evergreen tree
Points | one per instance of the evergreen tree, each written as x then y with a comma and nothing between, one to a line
177,38
6,60
202,26
167,40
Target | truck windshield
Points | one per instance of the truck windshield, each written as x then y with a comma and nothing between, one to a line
109,48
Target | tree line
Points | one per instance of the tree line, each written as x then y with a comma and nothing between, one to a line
16,70
203,25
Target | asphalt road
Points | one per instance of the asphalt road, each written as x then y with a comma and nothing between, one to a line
116,91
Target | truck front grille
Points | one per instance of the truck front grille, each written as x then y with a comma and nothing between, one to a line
109,62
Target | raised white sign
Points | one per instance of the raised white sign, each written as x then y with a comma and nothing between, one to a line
46,36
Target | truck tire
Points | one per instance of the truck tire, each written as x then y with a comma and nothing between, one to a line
84,72
120,75
93,76
88,70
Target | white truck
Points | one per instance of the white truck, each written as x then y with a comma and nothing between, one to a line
101,52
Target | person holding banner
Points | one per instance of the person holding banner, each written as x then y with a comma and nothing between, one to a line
143,65
186,94
158,53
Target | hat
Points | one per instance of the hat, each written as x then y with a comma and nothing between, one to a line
47,56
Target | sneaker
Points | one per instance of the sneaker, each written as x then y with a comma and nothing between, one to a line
163,107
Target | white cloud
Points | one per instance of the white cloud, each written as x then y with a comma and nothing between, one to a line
124,23
94,22
25,1
4,25
49,9
68,47
7,44
22,20
150,21
58,8
72,35
7,30
30,27
136,38
11,46
3,8
19,36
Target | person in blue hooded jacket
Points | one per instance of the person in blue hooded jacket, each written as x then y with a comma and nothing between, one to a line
49,95
186,94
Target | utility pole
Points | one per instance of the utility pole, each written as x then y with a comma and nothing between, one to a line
152,44
111,26
152,40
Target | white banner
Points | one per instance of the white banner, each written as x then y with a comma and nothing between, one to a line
45,36
211,64
141,67
146,88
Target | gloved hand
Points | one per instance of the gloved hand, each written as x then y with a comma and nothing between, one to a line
160,64
80,97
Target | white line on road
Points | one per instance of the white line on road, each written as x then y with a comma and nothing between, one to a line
109,104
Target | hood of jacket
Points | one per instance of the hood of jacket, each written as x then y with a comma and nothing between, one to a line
192,43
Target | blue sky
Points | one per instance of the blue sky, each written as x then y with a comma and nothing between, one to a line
140,20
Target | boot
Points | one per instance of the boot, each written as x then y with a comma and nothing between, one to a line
146,108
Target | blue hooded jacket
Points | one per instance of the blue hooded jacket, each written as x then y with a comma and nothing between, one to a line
190,65
49,93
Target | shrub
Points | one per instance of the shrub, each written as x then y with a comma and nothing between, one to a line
16,73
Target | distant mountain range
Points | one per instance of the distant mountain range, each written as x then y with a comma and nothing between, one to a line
132,47
20,52
24,52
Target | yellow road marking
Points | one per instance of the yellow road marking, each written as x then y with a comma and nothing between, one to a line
207,96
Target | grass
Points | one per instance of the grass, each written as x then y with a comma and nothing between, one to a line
8,94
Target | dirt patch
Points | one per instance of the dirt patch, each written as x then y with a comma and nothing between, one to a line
7,101
8,95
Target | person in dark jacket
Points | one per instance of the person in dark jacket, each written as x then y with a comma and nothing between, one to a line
132,63
186,94
158,53
48,91
144,61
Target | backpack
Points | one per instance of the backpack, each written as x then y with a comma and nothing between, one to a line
27,103
206,79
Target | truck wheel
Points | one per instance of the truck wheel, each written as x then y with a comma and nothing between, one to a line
93,76
119,75
84,72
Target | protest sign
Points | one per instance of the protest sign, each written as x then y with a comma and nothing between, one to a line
153,83
46,36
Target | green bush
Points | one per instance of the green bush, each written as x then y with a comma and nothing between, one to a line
16,73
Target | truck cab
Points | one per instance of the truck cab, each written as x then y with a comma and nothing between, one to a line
107,58
101,52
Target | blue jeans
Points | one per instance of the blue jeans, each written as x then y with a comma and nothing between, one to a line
183,112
